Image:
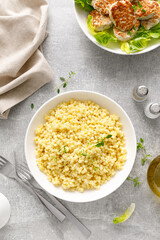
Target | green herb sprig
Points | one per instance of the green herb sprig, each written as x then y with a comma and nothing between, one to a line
135,180
96,168
83,154
65,149
134,8
139,4
64,81
101,143
140,145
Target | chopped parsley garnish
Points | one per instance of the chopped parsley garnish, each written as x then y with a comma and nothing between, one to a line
143,10
83,154
134,7
134,28
135,180
108,136
95,168
101,143
65,150
129,33
32,105
139,4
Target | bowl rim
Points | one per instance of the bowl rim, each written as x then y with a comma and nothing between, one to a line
89,36
96,195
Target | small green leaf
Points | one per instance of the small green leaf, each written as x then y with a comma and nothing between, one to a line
141,139
143,161
95,168
139,4
83,154
134,28
143,10
58,90
64,85
65,150
62,79
72,73
139,146
99,144
134,8
32,105
108,136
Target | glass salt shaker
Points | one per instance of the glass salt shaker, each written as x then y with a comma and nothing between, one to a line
140,93
152,110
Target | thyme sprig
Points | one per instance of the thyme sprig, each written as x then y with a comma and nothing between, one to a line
101,143
140,145
135,180
64,81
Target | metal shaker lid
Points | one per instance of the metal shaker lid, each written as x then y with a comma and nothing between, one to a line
142,91
155,108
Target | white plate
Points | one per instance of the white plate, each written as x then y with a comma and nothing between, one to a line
105,189
113,47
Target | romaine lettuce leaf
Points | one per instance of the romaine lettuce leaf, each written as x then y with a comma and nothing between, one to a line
126,215
141,39
85,4
102,37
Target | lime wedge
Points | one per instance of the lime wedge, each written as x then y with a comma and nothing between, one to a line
126,215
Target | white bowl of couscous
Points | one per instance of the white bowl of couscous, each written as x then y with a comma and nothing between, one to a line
80,146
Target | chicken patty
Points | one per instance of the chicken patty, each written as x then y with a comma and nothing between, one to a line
99,21
144,9
122,15
152,21
127,35
103,6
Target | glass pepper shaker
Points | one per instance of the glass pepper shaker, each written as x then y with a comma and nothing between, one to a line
140,93
152,110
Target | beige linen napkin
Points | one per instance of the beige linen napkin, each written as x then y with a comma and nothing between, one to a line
23,68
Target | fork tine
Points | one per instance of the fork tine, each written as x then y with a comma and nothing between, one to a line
22,176
1,164
25,169
3,160
23,172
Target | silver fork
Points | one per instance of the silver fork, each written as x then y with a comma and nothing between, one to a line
25,174
27,177
8,169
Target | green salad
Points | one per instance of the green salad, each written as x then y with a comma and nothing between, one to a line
139,42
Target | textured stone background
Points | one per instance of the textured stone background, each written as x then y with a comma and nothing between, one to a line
67,49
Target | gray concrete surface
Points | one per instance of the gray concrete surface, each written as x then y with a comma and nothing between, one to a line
67,49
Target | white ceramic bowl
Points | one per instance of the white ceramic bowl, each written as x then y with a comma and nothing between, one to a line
105,189
113,47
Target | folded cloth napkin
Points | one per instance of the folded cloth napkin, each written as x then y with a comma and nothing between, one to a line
23,68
